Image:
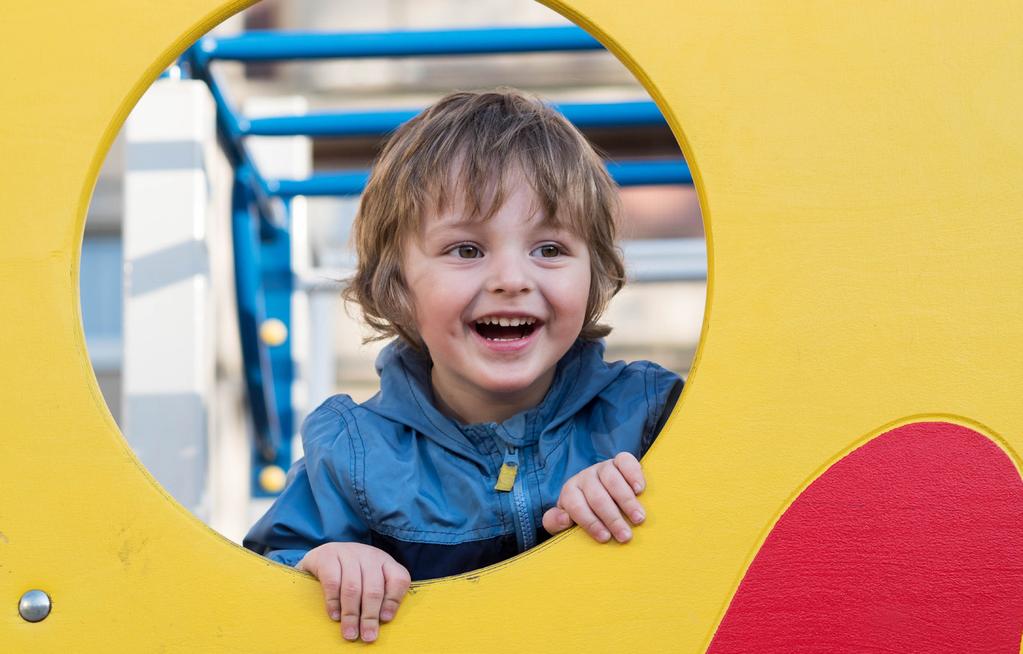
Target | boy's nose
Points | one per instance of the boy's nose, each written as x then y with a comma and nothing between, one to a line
508,276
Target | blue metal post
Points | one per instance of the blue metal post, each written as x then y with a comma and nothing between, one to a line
251,313
277,284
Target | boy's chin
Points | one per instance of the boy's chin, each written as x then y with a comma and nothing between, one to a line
508,387
512,384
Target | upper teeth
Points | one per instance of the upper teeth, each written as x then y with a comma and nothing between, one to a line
505,322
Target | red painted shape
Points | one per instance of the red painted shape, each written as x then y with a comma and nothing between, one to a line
911,543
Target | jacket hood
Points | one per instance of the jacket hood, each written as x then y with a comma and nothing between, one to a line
406,397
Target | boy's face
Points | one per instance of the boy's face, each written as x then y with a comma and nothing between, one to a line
512,269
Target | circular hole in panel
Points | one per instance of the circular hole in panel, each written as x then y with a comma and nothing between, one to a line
165,316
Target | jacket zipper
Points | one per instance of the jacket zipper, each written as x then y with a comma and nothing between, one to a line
509,479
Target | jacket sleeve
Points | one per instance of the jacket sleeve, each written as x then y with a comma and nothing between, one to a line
663,388
318,504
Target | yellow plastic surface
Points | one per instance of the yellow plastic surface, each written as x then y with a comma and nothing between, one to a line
860,169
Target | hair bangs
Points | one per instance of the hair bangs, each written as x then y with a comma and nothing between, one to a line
475,174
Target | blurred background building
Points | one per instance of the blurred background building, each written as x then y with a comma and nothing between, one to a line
657,317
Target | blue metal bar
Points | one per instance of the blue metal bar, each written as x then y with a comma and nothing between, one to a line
378,123
349,183
649,173
368,123
232,129
270,46
640,113
338,183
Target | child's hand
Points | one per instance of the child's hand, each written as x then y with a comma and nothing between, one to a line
363,585
596,498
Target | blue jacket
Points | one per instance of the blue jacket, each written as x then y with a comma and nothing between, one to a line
397,474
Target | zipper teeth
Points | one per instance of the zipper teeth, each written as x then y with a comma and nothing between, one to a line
526,534
525,522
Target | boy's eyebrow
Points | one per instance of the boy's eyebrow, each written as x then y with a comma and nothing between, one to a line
543,229
437,229
448,223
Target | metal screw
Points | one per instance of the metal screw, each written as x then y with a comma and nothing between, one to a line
34,606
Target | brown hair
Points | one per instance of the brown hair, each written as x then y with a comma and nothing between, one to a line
471,138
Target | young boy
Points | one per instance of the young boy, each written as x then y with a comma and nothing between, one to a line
486,245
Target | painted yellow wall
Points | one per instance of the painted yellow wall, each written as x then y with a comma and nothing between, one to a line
859,166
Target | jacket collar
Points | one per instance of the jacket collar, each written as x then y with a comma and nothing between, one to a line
406,397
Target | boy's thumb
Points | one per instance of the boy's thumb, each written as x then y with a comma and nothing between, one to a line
556,520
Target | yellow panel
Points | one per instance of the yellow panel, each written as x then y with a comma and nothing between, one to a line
859,166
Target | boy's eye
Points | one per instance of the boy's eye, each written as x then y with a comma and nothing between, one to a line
548,251
468,252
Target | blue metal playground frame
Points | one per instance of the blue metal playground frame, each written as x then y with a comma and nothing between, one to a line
261,206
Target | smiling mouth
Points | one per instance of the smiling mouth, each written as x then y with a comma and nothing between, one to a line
493,329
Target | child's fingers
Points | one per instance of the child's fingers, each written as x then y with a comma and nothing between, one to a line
372,598
556,520
575,504
351,599
620,491
329,577
604,507
631,470
396,584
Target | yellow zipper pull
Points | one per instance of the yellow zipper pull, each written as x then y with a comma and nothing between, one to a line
506,477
